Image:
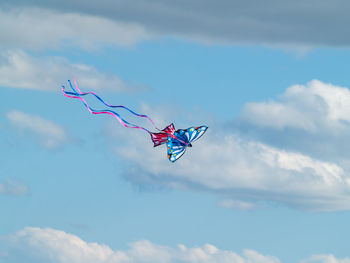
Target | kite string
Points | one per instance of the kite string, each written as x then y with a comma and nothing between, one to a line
114,114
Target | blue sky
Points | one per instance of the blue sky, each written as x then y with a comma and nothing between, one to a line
268,182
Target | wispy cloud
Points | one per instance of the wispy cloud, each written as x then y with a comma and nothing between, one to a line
20,70
11,187
49,134
325,258
235,204
47,244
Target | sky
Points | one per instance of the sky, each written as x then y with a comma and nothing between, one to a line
267,183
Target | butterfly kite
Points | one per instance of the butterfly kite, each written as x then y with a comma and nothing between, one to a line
176,140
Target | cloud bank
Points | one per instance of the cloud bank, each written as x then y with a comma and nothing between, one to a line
47,244
244,171
40,28
56,246
274,23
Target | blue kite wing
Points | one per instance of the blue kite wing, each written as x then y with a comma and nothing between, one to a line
175,149
194,133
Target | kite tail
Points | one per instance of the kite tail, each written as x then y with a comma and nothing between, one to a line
77,91
124,122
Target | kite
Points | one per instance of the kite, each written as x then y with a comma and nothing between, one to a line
176,140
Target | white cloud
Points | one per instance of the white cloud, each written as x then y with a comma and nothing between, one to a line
313,119
38,28
245,172
19,70
59,247
11,187
325,258
314,107
50,134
